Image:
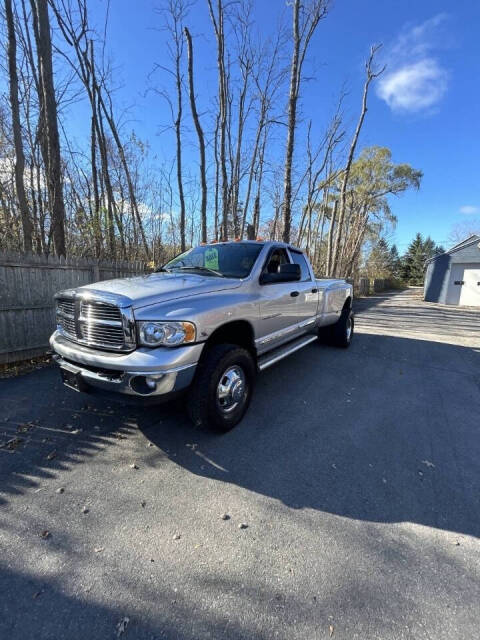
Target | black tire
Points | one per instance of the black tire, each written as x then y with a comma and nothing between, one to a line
342,330
339,334
227,362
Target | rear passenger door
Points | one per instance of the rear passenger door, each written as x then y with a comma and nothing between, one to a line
307,298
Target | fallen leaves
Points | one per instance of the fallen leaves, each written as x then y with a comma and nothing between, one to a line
134,466
99,549
11,444
331,629
23,428
428,464
45,534
122,626
177,536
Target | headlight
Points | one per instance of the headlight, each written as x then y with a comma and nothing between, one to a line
166,334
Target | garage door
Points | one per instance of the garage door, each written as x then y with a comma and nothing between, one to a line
464,285
470,294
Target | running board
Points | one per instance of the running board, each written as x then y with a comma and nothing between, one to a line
285,350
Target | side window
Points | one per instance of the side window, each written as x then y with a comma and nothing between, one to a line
277,257
299,258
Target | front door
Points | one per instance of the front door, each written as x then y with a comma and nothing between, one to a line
278,307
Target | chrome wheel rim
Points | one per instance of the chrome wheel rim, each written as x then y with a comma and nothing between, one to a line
349,328
231,389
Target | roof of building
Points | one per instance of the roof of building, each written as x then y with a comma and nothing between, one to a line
457,247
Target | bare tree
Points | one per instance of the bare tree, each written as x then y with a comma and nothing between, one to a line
121,152
245,60
463,230
218,19
48,104
201,138
268,80
370,75
17,129
306,16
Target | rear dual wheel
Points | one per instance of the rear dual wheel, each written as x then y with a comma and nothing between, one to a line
339,334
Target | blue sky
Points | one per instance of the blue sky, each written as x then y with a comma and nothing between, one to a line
425,108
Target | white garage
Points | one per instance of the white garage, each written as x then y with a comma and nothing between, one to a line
453,277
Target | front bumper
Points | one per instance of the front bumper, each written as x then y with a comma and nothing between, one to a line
172,369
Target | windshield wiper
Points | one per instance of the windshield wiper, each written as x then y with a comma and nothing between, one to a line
200,268
162,269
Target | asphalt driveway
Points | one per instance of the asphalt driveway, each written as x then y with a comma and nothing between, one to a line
356,473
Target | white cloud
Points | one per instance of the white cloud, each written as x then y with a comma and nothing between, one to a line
415,80
414,87
469,209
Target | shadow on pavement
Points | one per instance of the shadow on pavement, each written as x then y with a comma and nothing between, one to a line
386,431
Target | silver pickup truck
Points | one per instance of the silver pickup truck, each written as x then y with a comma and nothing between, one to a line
205,323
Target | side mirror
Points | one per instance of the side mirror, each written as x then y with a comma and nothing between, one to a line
286,273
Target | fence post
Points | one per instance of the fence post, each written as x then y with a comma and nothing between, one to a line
95,272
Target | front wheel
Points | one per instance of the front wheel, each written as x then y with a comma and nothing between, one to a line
222,387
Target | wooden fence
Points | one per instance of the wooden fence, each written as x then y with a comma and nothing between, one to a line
27,286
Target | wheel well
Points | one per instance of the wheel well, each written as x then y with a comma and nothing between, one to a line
237,332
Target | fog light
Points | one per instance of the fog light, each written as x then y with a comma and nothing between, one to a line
145,385
151,383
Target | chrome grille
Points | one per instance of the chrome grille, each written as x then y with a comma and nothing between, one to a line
66,316
100,311
109,336
66,306
68,325
96,323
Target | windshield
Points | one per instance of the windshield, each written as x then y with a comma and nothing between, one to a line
224,260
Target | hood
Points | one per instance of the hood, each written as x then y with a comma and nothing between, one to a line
155,288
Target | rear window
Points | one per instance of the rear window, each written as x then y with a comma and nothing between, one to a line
299,258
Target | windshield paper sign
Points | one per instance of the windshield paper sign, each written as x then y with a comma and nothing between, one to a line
211,258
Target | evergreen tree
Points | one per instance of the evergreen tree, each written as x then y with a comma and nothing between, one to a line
413,262
379,261
395,262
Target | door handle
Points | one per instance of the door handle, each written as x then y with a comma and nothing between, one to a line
314,290
294,294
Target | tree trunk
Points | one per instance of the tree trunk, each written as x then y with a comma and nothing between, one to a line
370,75
331,232
201,139
217,176
178,136
306,16
222,104
48,101
292,117
27,226
123,160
